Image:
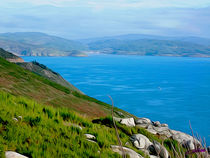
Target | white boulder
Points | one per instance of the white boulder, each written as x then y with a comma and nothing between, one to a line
126,121
127,151
140,141
12,154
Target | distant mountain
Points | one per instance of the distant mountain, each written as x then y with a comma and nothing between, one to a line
151,45
40,44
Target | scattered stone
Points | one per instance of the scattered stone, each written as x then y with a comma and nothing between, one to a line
12,154
15,119
140,141
160,150
125,121
130,152
142,121
90,136
157,124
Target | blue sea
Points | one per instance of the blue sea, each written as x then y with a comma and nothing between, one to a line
172,90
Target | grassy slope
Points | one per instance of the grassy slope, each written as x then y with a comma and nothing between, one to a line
42,131
19,81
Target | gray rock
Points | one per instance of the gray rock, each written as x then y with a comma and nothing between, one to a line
160,150
90,136
125,121
140,141
189,145
127,151
128,122
184,139
15,119
12,154
153,156
164,125
157,124
142,121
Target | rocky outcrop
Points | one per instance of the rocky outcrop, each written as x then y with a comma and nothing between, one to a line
162,129
186,140
127,151
126,121
12,154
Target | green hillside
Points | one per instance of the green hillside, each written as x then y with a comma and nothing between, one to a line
40,118
18,81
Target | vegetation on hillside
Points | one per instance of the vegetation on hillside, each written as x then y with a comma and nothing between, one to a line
36,130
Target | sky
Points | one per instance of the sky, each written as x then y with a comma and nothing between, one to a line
79,19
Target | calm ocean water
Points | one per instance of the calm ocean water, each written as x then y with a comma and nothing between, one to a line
172,90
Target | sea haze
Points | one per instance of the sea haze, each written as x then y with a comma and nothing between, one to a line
172,90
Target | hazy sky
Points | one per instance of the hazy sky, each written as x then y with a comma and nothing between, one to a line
75,19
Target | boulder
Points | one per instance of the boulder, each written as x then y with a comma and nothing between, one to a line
189,145
12,154
90,136
140,141
185,139
126,121
142,121
127,151
15,119
157,124
158,150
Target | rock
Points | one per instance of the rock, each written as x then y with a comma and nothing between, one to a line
15,119
90,136
163,131
130,152
142,121
164,125
184,139
140,141
125,121
189,145
153,156
12,154
159,150
157,124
